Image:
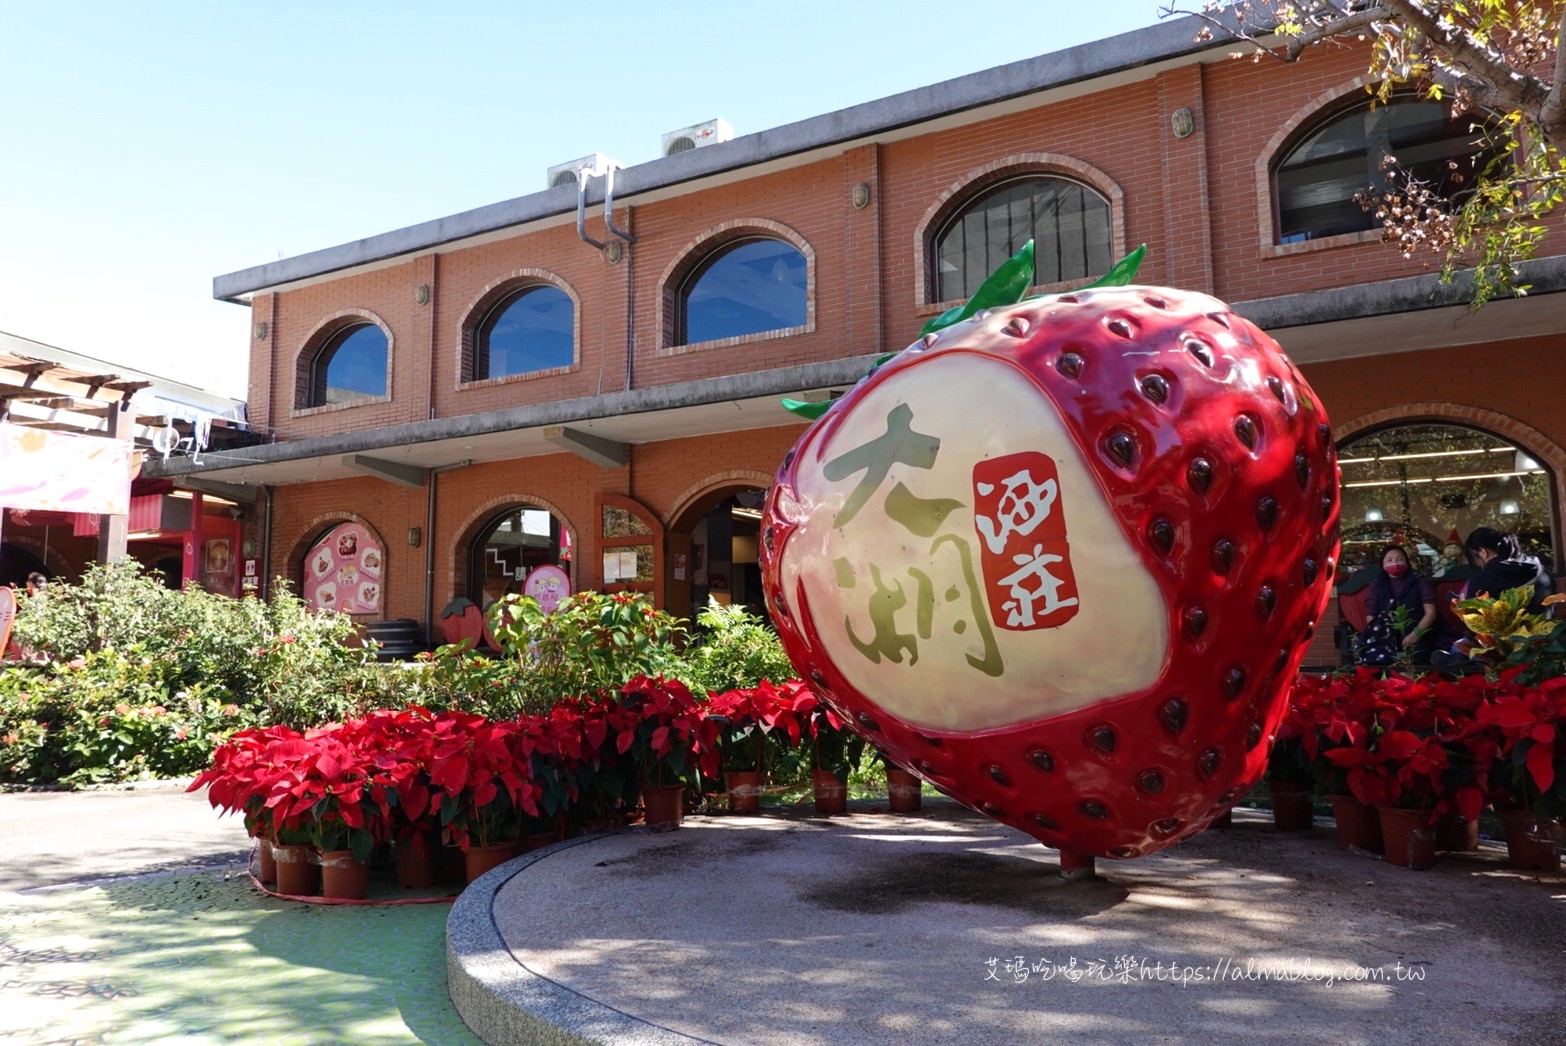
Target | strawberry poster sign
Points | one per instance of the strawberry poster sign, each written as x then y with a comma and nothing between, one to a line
344,571
549,585
7,615
1063,558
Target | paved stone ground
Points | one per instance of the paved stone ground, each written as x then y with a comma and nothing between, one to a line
880,929
785,929
61,837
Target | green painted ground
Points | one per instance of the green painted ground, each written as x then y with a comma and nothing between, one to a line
198,958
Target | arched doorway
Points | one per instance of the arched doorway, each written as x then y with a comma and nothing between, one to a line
1421,484
16,563
714,543
513,543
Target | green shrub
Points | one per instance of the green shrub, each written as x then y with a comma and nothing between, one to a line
142,680
735,649
590,642
107,716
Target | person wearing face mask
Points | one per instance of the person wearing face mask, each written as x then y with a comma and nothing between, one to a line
1398,585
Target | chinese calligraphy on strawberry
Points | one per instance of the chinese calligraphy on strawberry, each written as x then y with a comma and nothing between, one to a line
1027,561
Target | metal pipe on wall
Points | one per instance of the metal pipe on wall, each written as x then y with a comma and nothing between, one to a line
429,547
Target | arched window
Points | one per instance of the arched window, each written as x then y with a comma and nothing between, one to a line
1317,178
744,287
1418,484
349,367
1068,223
515,543
529,330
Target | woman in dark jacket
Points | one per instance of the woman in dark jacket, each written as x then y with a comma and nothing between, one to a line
1398,585
1503,565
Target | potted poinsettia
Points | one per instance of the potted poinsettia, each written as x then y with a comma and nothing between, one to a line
553,746
484,790
662,729
1335,712
749,719
243,778
1527,723
904,793
403,744
1291,773
1400,773
835,748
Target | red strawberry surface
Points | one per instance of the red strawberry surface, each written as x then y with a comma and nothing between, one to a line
1063,559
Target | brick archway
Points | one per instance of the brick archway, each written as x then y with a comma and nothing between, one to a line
700,496
690,507
460,551
1540,447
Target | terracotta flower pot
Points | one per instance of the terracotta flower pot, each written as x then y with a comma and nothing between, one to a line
1358,825
344,876
480,859
831,794
663,808
1455,834
1291,807
418,861
453,865
1409,839
297,873
1531,843
902,791
744,788
267,870
536,841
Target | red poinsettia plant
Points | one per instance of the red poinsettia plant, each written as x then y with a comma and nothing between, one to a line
246,770
1396,740
482,788
663,729
330,794
555,750
834,747
750,717
1526,724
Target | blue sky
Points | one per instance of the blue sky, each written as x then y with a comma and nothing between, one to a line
146,148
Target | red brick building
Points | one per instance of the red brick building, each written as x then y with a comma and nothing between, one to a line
530,383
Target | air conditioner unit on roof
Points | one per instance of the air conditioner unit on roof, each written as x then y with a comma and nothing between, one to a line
709,132
565,173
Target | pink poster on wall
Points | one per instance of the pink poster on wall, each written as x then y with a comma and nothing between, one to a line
343,571
548,585
7,615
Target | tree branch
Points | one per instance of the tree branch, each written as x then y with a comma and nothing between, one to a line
1516,89
1552,114
1365,18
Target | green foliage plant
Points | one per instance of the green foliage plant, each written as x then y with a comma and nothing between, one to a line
735,649
1507,635
135,680
590,642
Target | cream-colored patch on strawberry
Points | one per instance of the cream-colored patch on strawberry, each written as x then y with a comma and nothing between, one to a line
902,614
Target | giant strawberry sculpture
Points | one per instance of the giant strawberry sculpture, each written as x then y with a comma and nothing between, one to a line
1062,559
